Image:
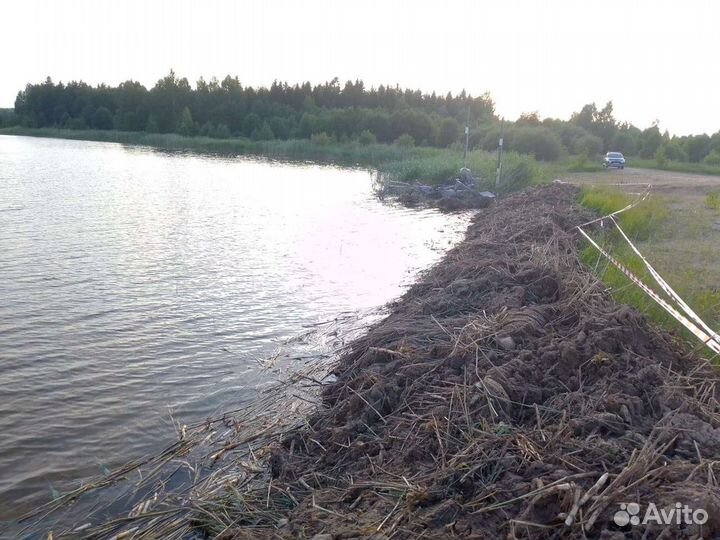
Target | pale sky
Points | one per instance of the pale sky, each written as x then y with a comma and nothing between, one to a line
654,59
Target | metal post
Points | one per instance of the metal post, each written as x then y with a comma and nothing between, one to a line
467,136
500,153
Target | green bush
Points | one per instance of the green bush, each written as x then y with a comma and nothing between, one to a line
185,125
264,133
491,138
539,142
103,118
206,129
9,118
152,125
674,151
713,158
590,144
405,141
367,137
449,132
624,142
661,157
220,132
321,139
712,200
582,163
650,141
431,169
417,124
76,123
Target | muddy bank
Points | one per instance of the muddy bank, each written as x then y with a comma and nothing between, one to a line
506,396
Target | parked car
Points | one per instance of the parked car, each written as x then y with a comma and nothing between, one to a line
614,159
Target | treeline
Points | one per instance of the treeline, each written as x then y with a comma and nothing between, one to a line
229,109
334,112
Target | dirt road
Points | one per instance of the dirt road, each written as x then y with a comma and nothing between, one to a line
663,181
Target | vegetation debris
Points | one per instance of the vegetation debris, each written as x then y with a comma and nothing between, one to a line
505,396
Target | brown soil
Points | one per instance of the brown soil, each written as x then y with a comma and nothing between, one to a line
492,401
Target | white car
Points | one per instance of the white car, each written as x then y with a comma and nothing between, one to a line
614,159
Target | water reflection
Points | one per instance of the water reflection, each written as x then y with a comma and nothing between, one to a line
136,284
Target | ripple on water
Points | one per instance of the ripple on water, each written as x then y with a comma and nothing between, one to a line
136,284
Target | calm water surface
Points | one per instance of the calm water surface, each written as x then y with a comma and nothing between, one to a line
137,286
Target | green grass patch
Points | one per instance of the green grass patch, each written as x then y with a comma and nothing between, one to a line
648,226
518,170
582,163
639,222
712,200
703,300
675,166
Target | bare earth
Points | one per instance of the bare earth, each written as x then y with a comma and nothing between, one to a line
667,182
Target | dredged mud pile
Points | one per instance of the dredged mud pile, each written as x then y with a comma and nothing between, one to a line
505,396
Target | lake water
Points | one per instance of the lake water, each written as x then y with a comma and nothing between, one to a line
138,286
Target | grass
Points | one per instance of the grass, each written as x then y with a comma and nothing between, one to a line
677,242
430,165
675,166
639,222
712,200
518,170
582,164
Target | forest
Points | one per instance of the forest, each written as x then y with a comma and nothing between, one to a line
333,112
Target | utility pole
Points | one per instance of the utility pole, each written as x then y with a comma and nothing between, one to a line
500,153
467,136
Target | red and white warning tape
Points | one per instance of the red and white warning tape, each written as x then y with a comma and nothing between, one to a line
692,321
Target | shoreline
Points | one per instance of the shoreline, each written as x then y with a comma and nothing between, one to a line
429,164
505,393
504,374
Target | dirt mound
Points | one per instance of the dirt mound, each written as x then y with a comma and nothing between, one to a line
505,396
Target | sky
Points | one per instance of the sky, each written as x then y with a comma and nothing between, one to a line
656,60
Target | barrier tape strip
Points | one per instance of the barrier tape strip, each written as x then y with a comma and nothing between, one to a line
709,341
669,290
704,333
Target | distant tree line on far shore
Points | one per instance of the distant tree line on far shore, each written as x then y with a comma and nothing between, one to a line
332,112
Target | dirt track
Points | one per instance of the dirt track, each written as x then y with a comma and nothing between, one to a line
663,181
493,399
